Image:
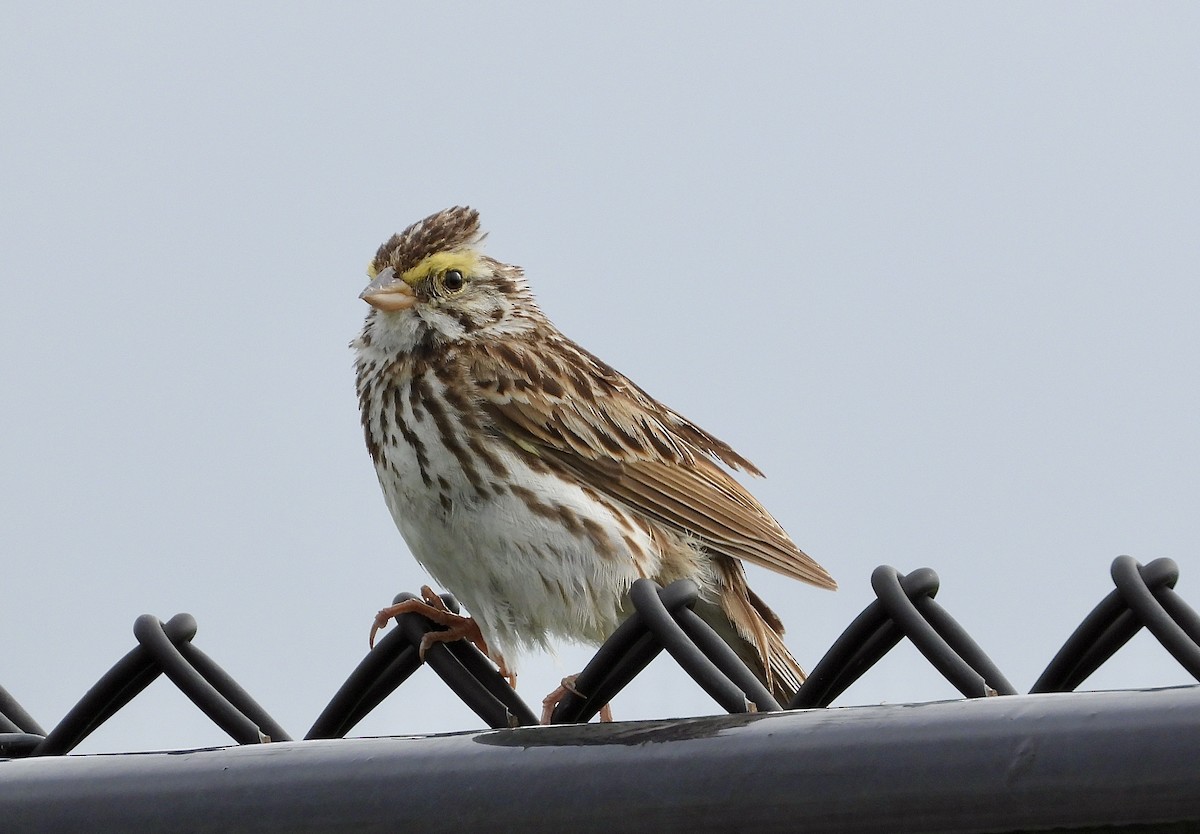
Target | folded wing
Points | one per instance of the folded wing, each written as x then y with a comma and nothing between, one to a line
571,408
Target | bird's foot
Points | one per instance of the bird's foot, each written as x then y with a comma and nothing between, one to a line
456,627
568,685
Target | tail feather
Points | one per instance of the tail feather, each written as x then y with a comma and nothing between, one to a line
784,674
754,632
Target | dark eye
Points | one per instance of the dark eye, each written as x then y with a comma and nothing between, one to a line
452,280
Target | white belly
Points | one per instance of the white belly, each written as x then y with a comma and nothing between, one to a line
507,554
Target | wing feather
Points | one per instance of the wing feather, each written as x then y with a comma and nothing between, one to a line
622,442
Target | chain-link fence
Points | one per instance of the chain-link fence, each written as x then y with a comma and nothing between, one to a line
1141,748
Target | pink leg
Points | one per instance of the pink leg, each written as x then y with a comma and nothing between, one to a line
568,685
457,627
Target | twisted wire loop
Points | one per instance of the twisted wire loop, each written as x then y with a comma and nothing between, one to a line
465,669
164,648
663,619
20,734
904,608
1144,596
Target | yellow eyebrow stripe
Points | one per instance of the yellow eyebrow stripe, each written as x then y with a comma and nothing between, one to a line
465,261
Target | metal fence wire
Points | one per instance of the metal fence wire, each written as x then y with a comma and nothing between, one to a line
662,619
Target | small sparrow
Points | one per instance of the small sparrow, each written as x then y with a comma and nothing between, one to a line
534,481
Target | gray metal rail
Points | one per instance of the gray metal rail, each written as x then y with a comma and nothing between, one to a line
1108,761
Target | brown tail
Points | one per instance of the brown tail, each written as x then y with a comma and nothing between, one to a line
754,631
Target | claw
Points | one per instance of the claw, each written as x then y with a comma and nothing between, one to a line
454,627
568,685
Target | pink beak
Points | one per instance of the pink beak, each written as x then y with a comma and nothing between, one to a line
388,292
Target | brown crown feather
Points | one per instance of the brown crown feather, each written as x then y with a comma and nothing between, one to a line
447,230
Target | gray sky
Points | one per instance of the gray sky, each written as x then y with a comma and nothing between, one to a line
931,266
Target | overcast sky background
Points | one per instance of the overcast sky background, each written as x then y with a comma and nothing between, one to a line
931,266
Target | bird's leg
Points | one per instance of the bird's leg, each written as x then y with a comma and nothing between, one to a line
568,685
469,630
511,677
431,607
457,627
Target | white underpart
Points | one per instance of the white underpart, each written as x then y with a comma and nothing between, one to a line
522,576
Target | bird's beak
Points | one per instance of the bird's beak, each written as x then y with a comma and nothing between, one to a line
388,292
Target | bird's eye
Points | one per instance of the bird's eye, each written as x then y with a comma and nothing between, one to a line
452,280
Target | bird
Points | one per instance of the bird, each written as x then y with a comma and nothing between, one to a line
534,481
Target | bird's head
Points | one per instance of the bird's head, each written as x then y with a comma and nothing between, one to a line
433,274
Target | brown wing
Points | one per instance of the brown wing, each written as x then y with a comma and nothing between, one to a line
568,406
